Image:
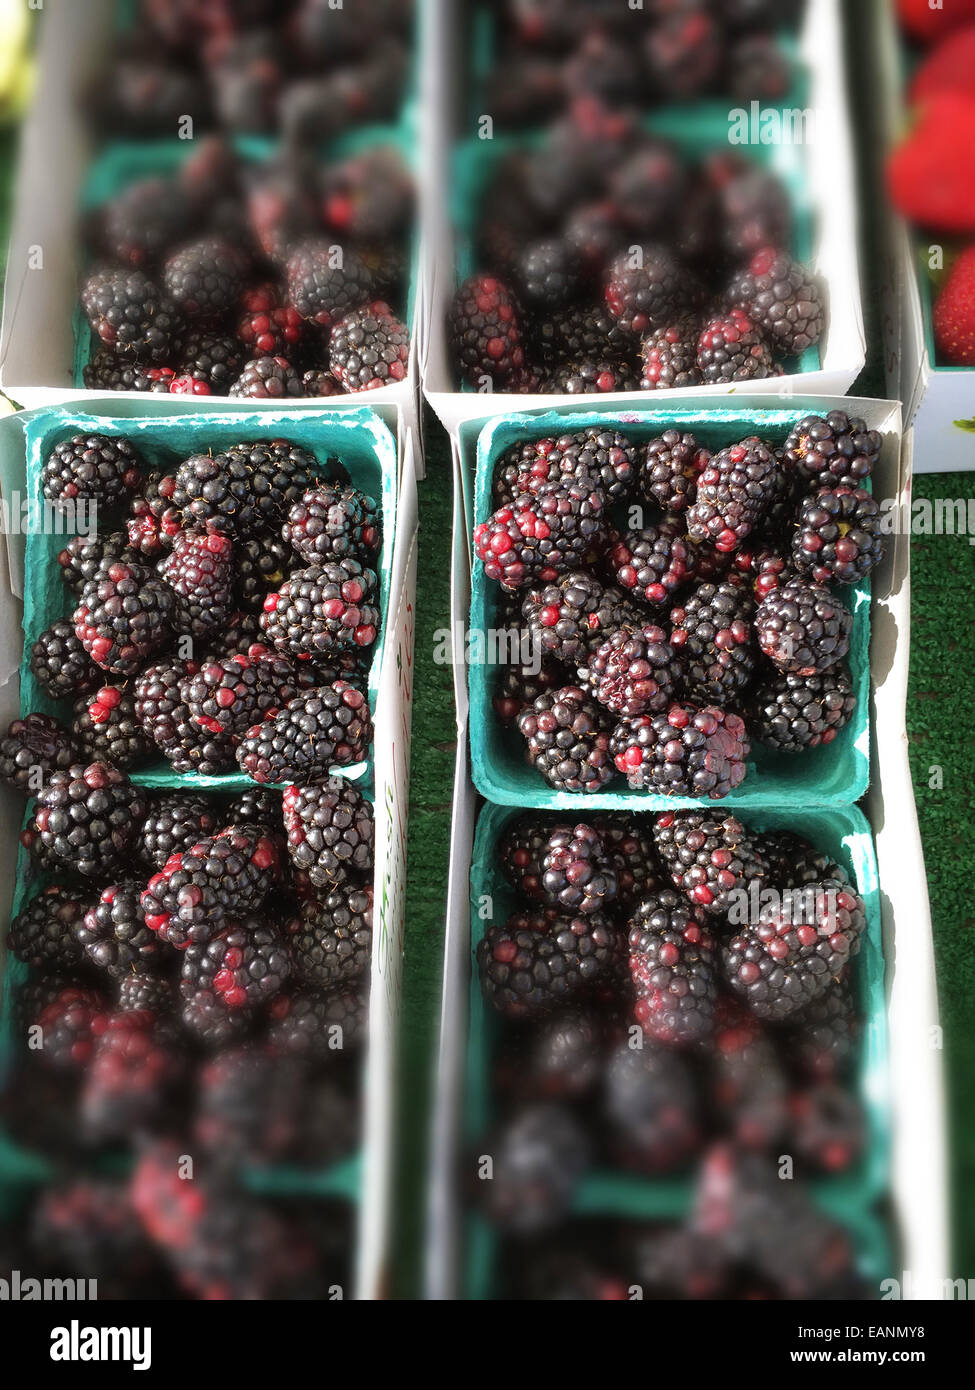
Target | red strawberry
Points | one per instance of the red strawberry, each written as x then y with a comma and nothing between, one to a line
954,313
929,20
931,174
949,67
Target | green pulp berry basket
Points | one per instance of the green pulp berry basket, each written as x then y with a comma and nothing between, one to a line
833,775
841,832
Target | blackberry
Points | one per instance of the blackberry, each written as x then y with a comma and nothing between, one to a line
69,1026
243,631
484,332
261,563
205,278
759,69
631,852
199,570
582,333
673,964
247,78
43,859
224,876
651,1109
797,948
790,712
764,566
548,273
369,197
688,751
114,935
89,817
576,875
605,67
645,290
305,1022
267,378
245,490
678,1263
144,990
539,1156
33,748
131,1078
558,1057
106,372
153,522
633,671
92,468
256,809
838,538
320,729
330,940
204,1017
520,853
734,491
647,186
568,740
669,356
322,609
834,450
782,298
569,618
521,685
88,1225
731,348
539,535
226,698
747,1084
540,960
318,382
82,557
280,472
710,858
124,613
822,1037
684,52
139,224
324,286
828,1128
652,563
802,629
176,821
331,522
248,1103
215,358
242,965
131,315
369,348
163,714
105,729
600,458
671,466
44,934
592,377
712,636
270,330
330,831
754,210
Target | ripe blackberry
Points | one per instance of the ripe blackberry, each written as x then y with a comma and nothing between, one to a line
645,291
790,712
539,1155
828,1128
559,1057
245,490
69,1026
684,52
124,613
325,282
43,860
226,698
44,934
797,948
485,332
267,378
822,1037
782,298
247,1108
754,210
568,740
165,717
33,748
308,1023
318,382
734,492
89,817
731,347
633,671
671,466
520,852
199,570
590,377
330,939
712,636
105,729
710,858
537,536
648,188
106,372
801,628
599,458
576,875
141,222
582,333
838,538
652,563
204,1017
330,831
320,729
541,960
176,821
747,1082
82,557
243,631
631,852
261,563
764,567
688,751
835,450
225,876
88,1225
131,1078
369,348
673,964
322,609
548,274
205,278
521,685
91,467
332,521
651,1109
569,618
669,356
280,473
243,965
113,934
215,358
145,990
131,315
153,522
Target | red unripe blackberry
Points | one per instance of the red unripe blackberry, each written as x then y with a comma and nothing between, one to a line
272,332
537,536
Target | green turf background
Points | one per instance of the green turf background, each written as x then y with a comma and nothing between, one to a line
940,701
